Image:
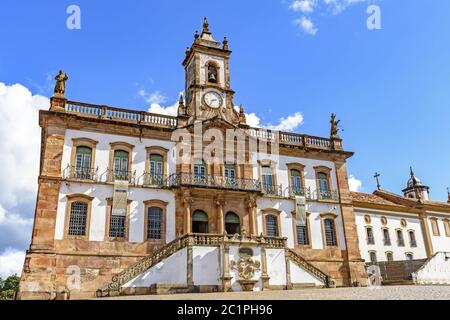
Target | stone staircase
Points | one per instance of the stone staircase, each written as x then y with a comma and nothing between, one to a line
398,272
114,287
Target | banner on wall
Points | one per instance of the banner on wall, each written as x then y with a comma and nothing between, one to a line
300,210
120,198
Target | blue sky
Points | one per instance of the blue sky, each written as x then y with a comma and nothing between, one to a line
390,87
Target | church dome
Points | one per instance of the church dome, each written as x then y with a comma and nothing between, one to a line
414,182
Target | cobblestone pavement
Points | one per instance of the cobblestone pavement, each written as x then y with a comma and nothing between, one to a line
382,293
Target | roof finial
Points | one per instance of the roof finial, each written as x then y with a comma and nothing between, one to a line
377,176
225,43
181,107
411,172
60,86
242,117
205,25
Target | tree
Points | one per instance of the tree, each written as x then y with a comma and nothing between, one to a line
8,287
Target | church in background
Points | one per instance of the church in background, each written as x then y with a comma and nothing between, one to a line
120,211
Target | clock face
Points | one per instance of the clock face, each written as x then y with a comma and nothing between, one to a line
213,99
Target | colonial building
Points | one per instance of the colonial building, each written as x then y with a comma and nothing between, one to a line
132,202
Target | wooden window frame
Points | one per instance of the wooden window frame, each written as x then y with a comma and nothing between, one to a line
163,206
367,235
109,203
327,171
299,167
397,238
334,217
384,238
114,146
376,256
409,253
409,238
435,227
163,152
273,212
83,142
387,253
78,198
446,227
308,231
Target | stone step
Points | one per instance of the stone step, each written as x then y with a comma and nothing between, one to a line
300,286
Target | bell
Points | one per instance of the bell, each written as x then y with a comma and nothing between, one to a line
212,76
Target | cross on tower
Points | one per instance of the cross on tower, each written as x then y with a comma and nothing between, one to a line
377,176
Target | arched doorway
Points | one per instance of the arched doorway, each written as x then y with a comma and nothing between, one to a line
232,223
200,222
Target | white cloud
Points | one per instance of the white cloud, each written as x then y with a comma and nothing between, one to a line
354,184
20,143
338,6
11,262
288,124
303,5
155,97
306,25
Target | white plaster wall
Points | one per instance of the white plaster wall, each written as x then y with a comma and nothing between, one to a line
172,270
287,219
103,150
300,276
98,212
276,266
435,271
441,242
393,223
282,170
207,266
234,256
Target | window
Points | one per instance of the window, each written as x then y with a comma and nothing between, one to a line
330,232
230,175
271,226
78,219
156,166
400,239
435,227
412,239
373,256
212,73
447,227
389,256
117,226
83,159
267,179
232,223
386,237
302,235
200,171
296,183
154,223
200,222
121,165
370,237
409,256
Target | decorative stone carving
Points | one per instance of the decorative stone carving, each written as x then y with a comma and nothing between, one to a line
245,266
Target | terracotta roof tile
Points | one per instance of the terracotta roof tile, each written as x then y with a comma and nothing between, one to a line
372,199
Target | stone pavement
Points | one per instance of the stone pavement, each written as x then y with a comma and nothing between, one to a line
382,293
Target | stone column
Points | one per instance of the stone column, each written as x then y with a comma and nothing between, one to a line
354,263
426,234
252,209
288,273
187,201
220,215
226,277
264,276
190,267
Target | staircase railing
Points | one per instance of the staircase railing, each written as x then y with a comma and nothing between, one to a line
308,267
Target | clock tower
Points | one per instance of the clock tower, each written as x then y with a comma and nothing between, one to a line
207,80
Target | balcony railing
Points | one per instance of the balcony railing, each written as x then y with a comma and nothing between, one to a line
300,192
387,242
413,243
401,242
114,175
276,191
370,240
155,180
76,173
330,195
209,181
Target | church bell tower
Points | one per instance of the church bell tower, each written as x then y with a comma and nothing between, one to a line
207,79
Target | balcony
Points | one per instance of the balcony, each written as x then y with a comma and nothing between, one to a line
81,174
327,195
299,192
370,240
387,242
275,191
158,181
401,242
209,181
113,176
413,243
